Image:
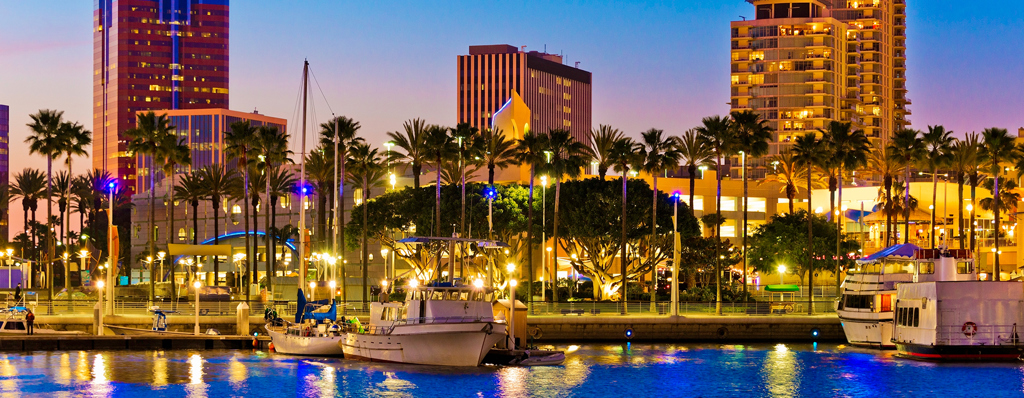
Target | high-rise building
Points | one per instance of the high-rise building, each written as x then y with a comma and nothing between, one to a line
203,131
153,54
5,169
558,95
802,64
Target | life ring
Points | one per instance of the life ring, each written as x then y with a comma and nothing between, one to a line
536,333
969,329
488,328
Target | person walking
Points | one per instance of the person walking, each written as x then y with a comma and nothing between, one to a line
17,294
30,320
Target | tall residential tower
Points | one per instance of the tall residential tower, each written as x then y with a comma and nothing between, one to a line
801,64
5,170
148,55
558,95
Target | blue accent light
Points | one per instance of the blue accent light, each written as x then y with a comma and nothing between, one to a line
490,193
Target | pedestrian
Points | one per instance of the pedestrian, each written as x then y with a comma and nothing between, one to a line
17,294
30,320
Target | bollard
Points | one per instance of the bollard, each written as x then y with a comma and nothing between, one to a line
242,319
97,325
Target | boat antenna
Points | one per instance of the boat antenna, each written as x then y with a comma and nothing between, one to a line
302,178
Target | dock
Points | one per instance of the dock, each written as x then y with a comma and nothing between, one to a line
41,342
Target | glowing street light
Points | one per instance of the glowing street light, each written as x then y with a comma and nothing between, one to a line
197,285
782,270
99,306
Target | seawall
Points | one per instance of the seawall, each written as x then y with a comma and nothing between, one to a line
686,328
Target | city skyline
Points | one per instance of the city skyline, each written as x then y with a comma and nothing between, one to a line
654,66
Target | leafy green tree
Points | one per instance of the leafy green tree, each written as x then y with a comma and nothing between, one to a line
624,154
568,157
780,242
697,260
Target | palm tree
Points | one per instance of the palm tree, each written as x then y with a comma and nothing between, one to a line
257,181
938,145
532,150
239,143
282,183
850,148
786,171
29,186
176,153
499,152
191,189
272,144
147,139
320,172
624,154
694,154
883,165
469,147
752,136
76,139
217,183
660,153
62,185
601,141
439,145
338,135
907,149
972,175
808,151
367,168
963,157
998,149
46,139
716,134
413,143
568,158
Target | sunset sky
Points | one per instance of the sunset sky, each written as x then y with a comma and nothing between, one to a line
654,64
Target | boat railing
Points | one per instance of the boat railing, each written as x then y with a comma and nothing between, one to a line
970,334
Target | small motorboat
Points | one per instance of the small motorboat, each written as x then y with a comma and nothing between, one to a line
14,323
314,332
527,357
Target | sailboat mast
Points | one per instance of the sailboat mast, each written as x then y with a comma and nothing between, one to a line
301,264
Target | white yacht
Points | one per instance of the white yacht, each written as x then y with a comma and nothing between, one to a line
447,326
313,333
950,318
866,308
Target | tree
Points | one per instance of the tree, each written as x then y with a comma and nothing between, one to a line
965,164
368,169
29,186
175,152
624,154
499,152
532,150
191,190
76,138
752,136
882,164
660,153
938,147
809,152
602,139
320,173
439,145
906,149
342,133
717,135
217,183
62,185
850,148
568,157
413,142
998,149
590,226
780,242
238,144
272,144
1008,198
786,172
148,139
46,139
282,184
469,148
694,154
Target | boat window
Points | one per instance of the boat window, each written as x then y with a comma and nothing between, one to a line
489,297
925,267
901,316
464,295
886,303
437,295
869,268
899,267
964,267
916,319
853,301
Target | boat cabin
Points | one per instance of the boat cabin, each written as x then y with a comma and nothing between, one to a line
435,305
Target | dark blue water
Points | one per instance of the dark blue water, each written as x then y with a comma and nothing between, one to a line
637,370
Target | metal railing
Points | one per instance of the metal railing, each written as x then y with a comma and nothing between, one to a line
980,335
597,308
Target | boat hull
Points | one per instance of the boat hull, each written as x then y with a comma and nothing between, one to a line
460,344
960,353
868,333
327,346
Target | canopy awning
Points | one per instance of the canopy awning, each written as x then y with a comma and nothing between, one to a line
902,251
782,288
917,215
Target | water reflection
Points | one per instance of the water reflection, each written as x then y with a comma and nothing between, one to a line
195,388
781,374
100,385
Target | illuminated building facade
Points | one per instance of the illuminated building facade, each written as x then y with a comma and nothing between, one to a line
148,55
801,64
559,95
5,168
203,131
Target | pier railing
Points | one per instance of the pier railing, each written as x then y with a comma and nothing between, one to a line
998,335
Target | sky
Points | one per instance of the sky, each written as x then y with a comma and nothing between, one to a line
662,64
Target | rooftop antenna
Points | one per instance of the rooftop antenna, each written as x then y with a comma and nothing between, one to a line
545,48
744,18
577,64
523,48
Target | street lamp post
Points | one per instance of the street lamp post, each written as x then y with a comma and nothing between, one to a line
512,310
675,255
99,306
782,270
197,285
112,257
384,256
544,237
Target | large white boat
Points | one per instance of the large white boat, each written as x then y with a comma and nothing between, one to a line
314,332
447,326
866,308
951,319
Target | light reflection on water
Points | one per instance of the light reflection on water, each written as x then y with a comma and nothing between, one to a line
634,370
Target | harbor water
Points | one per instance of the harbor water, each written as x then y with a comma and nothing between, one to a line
601,370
